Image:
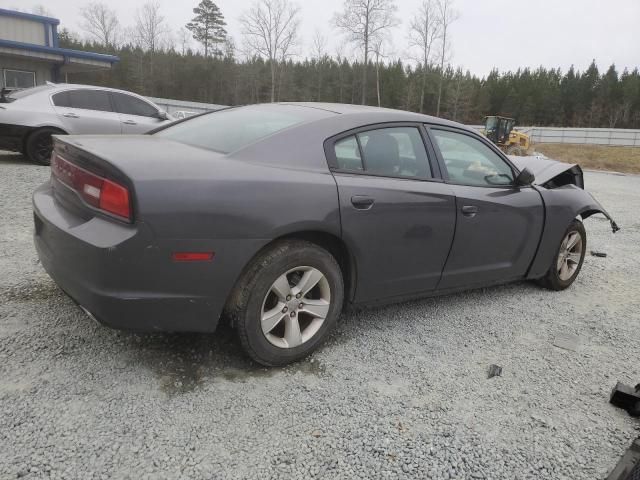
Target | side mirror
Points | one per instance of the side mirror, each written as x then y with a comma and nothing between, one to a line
525,178
162,115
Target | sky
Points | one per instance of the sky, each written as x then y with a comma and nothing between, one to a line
503,34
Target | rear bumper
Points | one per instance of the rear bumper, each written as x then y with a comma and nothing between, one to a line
120,275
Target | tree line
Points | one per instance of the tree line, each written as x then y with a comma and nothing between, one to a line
264,66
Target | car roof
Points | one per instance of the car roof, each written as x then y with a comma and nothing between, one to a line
78,86
388,113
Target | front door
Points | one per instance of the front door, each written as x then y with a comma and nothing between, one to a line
498,225
137,116
397,216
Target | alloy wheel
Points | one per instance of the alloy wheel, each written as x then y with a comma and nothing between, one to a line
295,307
570,255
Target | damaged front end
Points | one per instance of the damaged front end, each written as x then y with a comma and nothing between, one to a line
561,187
553,175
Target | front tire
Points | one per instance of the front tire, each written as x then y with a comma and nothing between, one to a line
287,302
39,145
516,150
568,260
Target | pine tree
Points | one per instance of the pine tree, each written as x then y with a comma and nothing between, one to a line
208,27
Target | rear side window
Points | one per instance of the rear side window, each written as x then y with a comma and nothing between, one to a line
394,152
348,154
62,99
226,131
83,99
131,105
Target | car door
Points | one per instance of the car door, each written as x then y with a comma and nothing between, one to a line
137,115
86,111
498,225
397,215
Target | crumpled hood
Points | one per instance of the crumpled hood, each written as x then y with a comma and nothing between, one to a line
546,169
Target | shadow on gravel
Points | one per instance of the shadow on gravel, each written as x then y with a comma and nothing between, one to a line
13,159
184,362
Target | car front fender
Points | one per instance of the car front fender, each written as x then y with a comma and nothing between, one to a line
562,205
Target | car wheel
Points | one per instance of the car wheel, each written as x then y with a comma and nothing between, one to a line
515,150
568,260
39,145
286,302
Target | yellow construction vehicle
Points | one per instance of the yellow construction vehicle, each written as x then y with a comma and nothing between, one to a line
500,130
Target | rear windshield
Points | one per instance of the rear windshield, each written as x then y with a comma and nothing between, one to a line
15,95
229,130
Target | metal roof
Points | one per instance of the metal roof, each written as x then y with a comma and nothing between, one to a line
29,16
65,52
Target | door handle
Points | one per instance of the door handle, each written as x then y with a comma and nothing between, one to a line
70,115
362,202
129,122
469,211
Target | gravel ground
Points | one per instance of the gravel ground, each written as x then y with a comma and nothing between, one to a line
397,392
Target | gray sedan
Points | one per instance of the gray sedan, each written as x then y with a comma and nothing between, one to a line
276,217
28,118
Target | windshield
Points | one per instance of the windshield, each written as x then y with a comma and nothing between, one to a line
229,130
492,123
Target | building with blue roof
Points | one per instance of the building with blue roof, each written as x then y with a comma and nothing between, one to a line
30,54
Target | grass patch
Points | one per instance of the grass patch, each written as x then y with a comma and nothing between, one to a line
596,157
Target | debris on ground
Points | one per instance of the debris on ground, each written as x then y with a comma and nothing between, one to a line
494,371
628,467
598,254
567,341
626,397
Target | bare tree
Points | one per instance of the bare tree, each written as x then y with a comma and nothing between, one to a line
150,26
270,29
379,50
184,40
424,30
319,45
41,10
365,22
447,15
100,22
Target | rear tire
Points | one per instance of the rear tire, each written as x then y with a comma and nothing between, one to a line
39,145
568,260
277,319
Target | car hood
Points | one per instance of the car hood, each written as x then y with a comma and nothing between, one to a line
546,170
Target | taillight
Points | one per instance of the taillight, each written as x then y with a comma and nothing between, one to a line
98,192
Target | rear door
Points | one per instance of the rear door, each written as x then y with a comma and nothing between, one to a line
86,111
137,116
498,224
397,214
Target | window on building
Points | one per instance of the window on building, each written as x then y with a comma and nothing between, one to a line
14,79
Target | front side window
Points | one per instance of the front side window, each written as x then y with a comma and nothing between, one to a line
470,162
131,105
393,152
83,99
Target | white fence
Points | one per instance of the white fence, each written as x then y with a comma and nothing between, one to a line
173,106
581,136
585,136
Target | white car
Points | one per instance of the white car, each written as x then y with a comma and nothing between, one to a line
28,118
